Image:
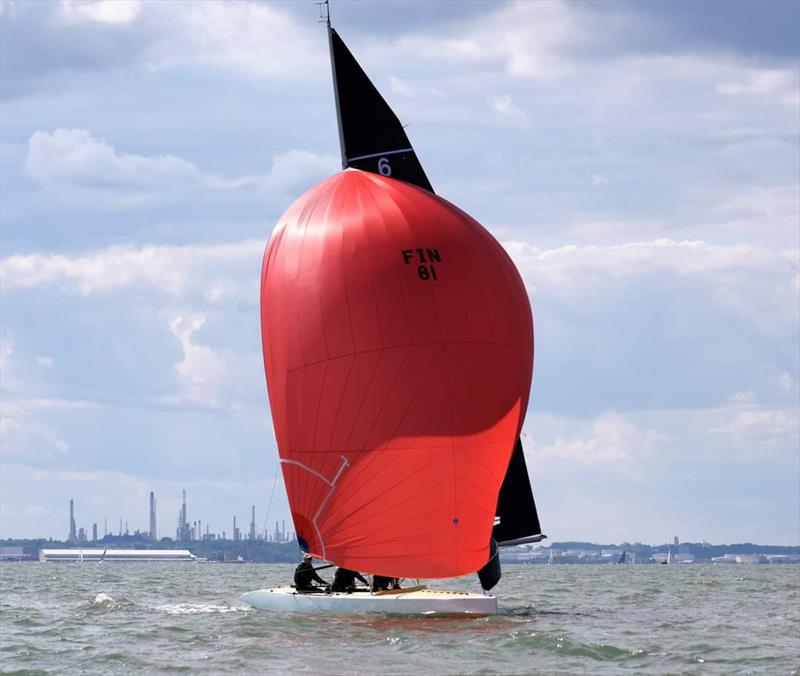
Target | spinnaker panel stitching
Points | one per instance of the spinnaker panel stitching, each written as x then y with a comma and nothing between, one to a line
420,385
357,415
364,466
341,399
387,394
376,514
365,195
509,346
324,501
316,418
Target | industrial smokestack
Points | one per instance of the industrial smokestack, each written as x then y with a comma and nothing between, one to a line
184,532
73,535
153,532
253,524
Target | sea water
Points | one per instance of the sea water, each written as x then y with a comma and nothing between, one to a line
134,618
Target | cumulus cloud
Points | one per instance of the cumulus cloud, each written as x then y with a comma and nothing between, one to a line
201,368
611,439
102,11
753,282
254,38
755,428
508,111
216,270
72,158
24,437
778,84
251,38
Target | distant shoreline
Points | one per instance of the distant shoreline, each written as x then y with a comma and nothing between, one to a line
260,551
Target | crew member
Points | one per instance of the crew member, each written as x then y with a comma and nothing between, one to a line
305,576
380,583
344,580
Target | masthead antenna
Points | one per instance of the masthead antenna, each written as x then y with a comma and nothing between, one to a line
324,12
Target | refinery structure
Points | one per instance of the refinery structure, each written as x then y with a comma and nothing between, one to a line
186,531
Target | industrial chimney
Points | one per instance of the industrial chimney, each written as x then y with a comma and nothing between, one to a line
153,532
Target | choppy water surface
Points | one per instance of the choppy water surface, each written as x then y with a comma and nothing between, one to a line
140,618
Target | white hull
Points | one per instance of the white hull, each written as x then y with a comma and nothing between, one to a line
419,601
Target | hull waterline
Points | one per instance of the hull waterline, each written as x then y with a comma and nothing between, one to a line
412,602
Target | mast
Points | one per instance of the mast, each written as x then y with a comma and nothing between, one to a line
327,18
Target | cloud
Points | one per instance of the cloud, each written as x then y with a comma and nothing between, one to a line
201,368
508,111
787,383
754,428
297,170
611,440
73,156
216,270
254,39
6,350
102,11
67,159
778,84
754,282
23,437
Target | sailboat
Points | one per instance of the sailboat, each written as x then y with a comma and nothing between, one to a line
398,350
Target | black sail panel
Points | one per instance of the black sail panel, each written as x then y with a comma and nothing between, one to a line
371,137
491,573
517,519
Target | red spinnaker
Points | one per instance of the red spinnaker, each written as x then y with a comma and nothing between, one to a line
398,347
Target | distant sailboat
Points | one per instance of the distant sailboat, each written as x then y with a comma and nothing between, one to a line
398,348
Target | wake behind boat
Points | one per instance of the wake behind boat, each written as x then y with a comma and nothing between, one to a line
398,349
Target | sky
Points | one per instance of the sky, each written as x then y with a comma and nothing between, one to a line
638,161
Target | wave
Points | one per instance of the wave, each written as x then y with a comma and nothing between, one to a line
200,608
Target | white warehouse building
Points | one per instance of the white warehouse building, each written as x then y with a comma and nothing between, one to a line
116,555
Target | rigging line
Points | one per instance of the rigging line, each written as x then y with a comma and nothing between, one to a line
310,470
345,464
272,493
326,17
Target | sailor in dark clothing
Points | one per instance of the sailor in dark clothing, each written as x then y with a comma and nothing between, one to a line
305,576
380,583
344,580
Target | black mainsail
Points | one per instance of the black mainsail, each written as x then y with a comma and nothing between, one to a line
372,139
517,521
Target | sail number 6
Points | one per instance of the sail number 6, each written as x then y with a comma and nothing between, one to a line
384,168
